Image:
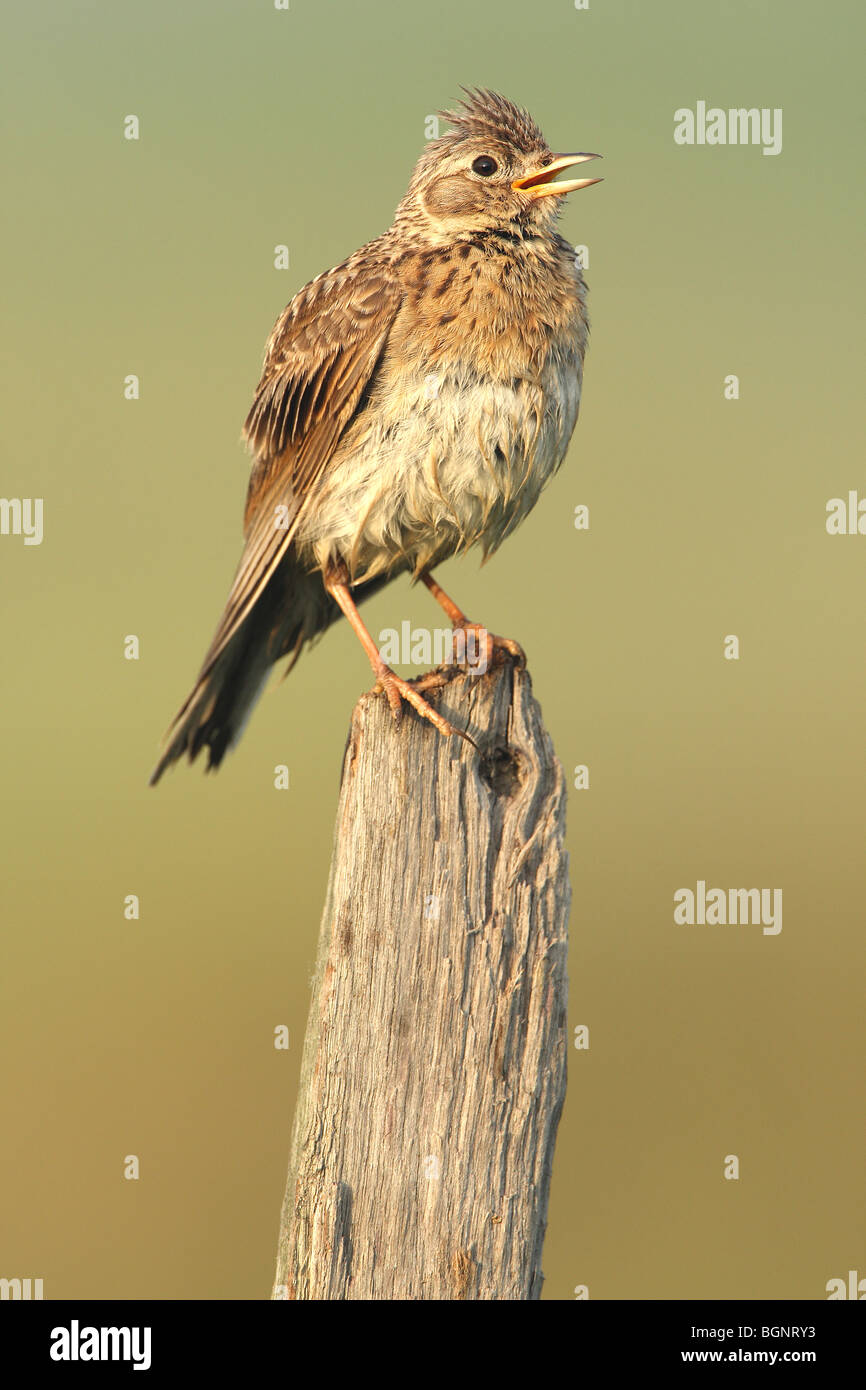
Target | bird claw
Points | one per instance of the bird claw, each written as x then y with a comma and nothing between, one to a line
493,644
434,680
507,644
396,690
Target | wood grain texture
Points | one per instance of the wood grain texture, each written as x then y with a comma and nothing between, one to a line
434,1065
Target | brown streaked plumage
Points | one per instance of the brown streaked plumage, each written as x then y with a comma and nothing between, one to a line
413,402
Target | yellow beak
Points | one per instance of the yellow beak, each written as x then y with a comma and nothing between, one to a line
540,183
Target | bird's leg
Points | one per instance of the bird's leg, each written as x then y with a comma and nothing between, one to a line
488,640
396,689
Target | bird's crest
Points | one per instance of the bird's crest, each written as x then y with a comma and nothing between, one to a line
483,112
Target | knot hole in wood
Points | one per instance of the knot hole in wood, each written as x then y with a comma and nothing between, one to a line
501,770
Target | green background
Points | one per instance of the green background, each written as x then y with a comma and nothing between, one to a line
155,1037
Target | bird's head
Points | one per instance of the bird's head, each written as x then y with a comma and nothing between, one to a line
492,171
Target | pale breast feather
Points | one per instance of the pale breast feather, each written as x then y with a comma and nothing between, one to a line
452,460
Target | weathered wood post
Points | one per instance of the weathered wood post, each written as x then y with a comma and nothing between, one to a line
433,1073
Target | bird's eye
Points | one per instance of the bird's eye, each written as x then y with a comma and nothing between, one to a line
484,165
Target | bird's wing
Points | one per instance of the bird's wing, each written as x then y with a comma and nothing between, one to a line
319,360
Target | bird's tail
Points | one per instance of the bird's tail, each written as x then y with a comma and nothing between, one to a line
291,611
216,710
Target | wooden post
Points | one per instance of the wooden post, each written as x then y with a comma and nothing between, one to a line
433,1073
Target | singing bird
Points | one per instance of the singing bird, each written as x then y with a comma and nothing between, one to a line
413,402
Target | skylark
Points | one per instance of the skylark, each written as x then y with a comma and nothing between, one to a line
414,400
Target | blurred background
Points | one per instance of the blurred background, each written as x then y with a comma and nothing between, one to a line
155,257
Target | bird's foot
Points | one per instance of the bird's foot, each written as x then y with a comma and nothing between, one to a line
488,649
434,680
485,645
397,690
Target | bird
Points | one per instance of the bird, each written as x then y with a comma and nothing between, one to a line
413,402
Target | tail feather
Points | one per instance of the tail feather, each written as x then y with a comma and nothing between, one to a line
292,610
216,712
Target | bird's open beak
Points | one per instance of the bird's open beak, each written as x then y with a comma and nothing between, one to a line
541,185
